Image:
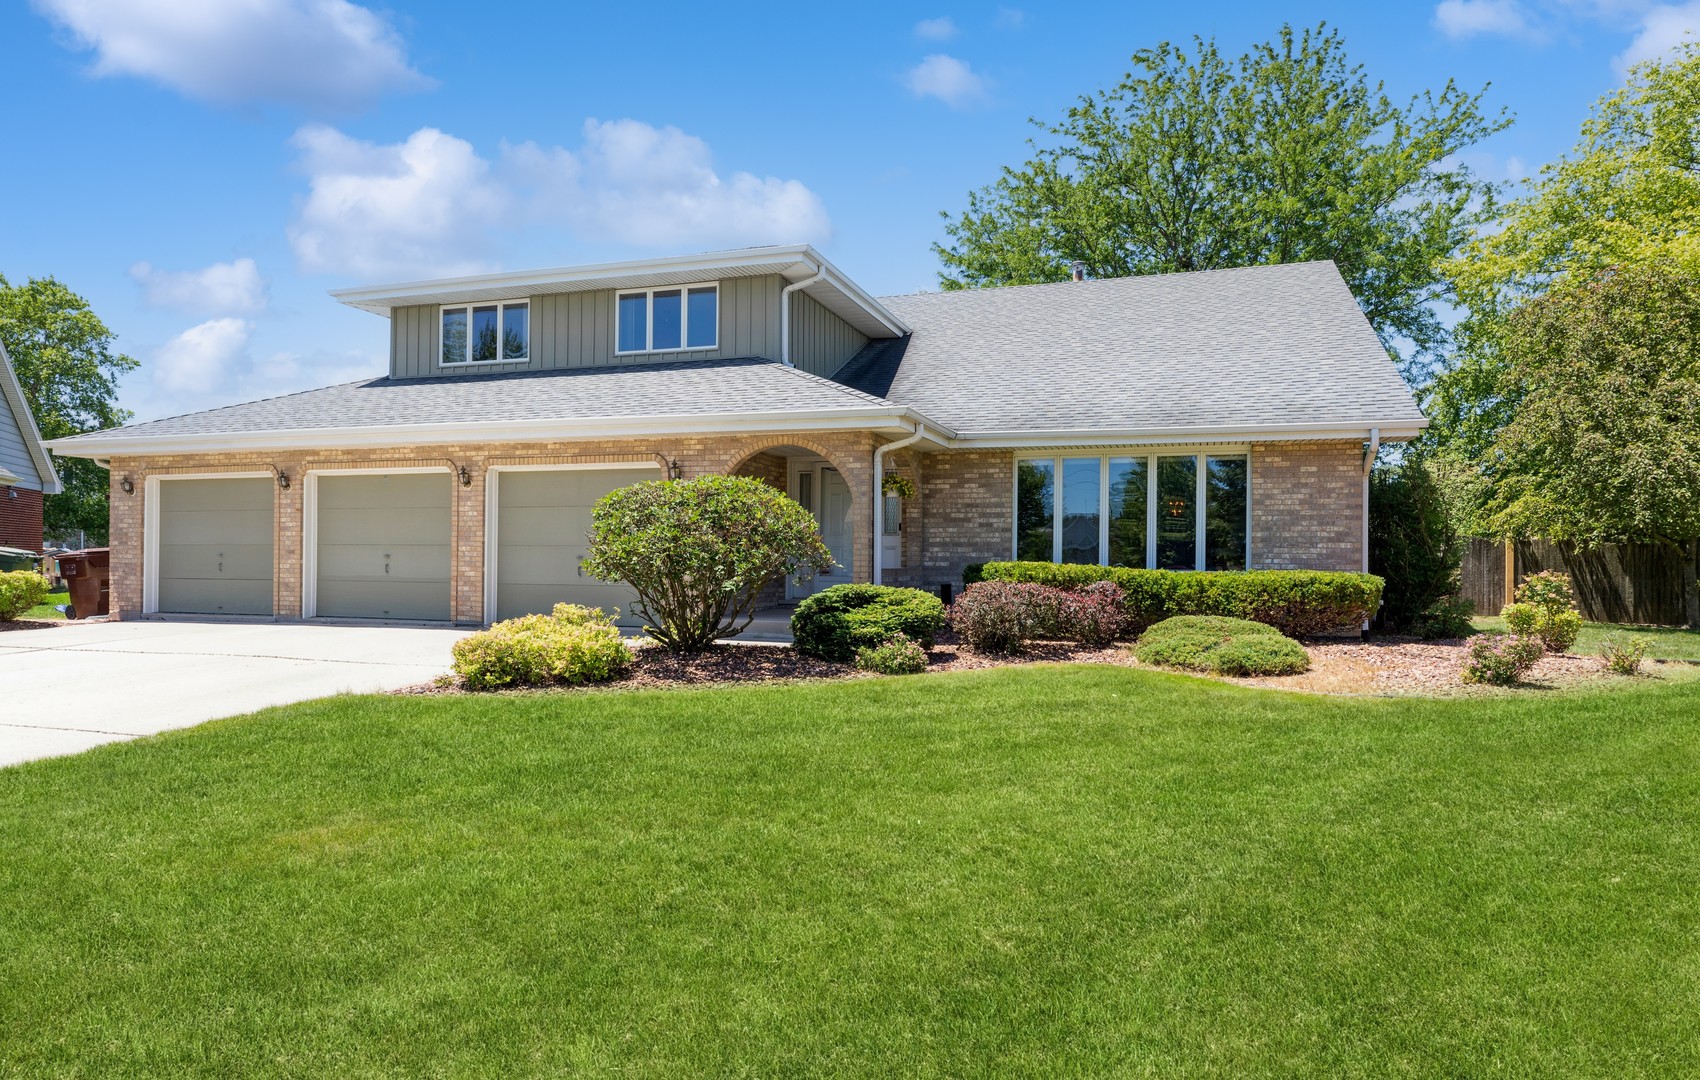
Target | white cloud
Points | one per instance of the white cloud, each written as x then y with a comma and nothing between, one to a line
939,29
228,288
1010,18
1515,169
1662,29
1468,18
431,205
950,80
316,54
202,356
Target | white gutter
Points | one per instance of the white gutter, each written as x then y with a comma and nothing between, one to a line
785,312
879,497
1369,465
1395,429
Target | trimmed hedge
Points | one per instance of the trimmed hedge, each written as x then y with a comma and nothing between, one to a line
835,623
1223,646
1002,616
1299,603
568,647
20,590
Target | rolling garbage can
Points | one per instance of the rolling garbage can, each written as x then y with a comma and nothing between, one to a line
88,576
17,559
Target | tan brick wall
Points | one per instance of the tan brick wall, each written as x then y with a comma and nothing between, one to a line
850,452
966,510
1307,505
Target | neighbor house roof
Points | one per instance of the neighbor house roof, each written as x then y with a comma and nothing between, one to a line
1219,351
20,440
703,395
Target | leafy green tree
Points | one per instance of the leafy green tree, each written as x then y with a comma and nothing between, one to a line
1196,162
64,358
1599,384
1414,546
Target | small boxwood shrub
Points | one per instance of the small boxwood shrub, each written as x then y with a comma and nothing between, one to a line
1297,602
1545,608
1502,659
835,623
570,646
20,590
1221,645
897,655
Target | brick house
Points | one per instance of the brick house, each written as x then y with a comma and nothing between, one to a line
1217,420
26,471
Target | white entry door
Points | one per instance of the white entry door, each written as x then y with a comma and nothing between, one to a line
832,510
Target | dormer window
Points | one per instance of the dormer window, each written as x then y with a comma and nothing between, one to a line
492,333
676,318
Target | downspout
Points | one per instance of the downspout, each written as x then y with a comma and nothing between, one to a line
785,314
879,497
1369,464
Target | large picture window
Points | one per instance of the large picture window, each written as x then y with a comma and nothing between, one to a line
677,319
493,333
1171,511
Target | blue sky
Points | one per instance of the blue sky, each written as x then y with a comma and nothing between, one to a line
204,170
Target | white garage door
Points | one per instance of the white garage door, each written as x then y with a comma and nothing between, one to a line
383,546
542,529
215,546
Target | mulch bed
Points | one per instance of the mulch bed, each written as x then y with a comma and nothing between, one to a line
1379,667
30,624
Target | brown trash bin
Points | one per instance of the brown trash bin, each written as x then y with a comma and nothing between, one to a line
88,576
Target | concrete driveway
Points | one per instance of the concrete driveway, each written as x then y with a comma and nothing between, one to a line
71,687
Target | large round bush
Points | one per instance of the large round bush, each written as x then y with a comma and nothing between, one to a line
699,552
1221,646
835,623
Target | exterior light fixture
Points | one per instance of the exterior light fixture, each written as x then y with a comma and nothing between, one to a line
127,486
11,493
465,477
675,470
283,480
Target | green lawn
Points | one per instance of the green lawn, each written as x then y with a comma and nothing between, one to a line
46,609
1044,872
1663,642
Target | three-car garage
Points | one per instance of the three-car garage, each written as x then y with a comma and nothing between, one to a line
380,544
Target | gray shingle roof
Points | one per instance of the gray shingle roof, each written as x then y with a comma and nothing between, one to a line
694,388
1261,345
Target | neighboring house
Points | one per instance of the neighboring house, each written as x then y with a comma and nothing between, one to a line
26,472
1213,420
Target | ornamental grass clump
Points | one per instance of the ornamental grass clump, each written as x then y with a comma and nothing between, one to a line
20,590
899,654
1545,608
1502,659
699,552
571,646
837,623
1220,645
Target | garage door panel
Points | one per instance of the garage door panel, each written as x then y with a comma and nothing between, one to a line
214,542
389,491
543,525
419,524
238,561
407,561
394,599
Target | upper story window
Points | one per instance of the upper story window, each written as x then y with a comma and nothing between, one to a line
671,319
1164,510
492,333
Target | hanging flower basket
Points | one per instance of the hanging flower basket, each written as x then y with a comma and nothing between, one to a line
901,486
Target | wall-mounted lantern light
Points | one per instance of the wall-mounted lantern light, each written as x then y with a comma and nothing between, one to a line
465,477
675,470
127,486
283,480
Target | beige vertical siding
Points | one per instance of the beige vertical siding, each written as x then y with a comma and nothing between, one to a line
820,340
573,330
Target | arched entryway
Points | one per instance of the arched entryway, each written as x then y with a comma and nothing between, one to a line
828,486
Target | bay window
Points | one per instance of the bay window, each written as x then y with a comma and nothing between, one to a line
1168,510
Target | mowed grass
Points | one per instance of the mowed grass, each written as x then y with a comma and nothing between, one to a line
1055,871
47,609
1663,642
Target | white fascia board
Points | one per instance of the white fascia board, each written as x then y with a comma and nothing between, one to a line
890,419
1391,431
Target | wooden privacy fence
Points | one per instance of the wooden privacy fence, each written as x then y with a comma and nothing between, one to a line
1618,583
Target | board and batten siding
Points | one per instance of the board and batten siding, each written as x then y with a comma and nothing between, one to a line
575,330
14,453
820,341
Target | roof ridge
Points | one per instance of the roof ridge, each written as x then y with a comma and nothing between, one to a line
1119,277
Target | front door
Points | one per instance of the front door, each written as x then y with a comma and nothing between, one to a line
831,506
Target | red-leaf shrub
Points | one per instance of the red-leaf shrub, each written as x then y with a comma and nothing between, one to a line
1000,616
